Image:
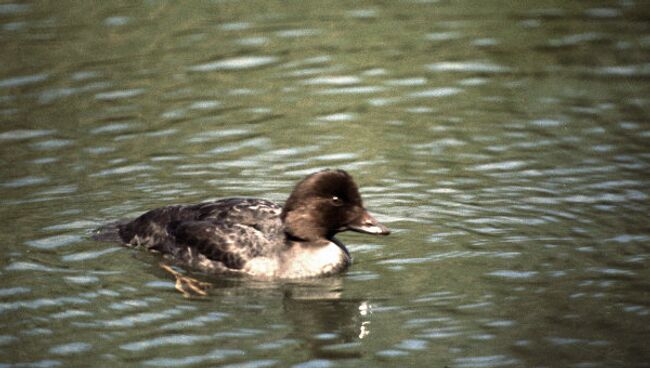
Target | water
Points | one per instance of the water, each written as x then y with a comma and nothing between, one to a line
506,145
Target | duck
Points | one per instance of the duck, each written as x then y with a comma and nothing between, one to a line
259,238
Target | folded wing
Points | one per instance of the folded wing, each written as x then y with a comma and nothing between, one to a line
230,231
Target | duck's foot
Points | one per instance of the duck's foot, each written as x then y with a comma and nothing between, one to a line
187,285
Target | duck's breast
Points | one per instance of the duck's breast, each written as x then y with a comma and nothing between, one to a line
309,260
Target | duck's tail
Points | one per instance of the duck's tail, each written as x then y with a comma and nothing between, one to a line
109,232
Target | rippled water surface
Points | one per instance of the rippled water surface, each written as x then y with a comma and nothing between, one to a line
506,144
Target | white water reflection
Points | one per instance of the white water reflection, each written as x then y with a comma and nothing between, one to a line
469,66
243,62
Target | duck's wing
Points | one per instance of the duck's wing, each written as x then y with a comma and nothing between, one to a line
231,231
260,214
153,229
231,244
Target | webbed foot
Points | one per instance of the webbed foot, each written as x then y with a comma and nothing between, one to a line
189,286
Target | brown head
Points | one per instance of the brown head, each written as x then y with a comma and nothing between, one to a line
325,203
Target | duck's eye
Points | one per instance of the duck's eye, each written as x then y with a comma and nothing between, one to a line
336,201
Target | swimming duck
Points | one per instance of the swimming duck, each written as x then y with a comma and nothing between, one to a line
257,237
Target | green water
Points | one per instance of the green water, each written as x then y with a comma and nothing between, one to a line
506,145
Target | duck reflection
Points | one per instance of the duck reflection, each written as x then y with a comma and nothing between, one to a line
330,326
324,321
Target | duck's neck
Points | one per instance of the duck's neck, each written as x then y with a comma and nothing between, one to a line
342,246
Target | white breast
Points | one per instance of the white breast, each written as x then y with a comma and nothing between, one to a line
311,260
299,261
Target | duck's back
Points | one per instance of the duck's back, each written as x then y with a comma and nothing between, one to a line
230,231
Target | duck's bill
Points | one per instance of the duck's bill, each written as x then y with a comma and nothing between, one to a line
369,225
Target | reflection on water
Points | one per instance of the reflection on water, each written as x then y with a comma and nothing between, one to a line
505,144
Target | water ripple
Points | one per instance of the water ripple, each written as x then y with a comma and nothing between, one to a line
14,291
25,181
141,318
129,169
31,266
639,70
337,117
237,63
505,165
471,66
485,361
262,363
352,90
437,92
443,36
334,80
509,274
294,33
22,80
12,8
54,241
20,134
119,94
84,256
41,303
177,339
213,356
196,321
